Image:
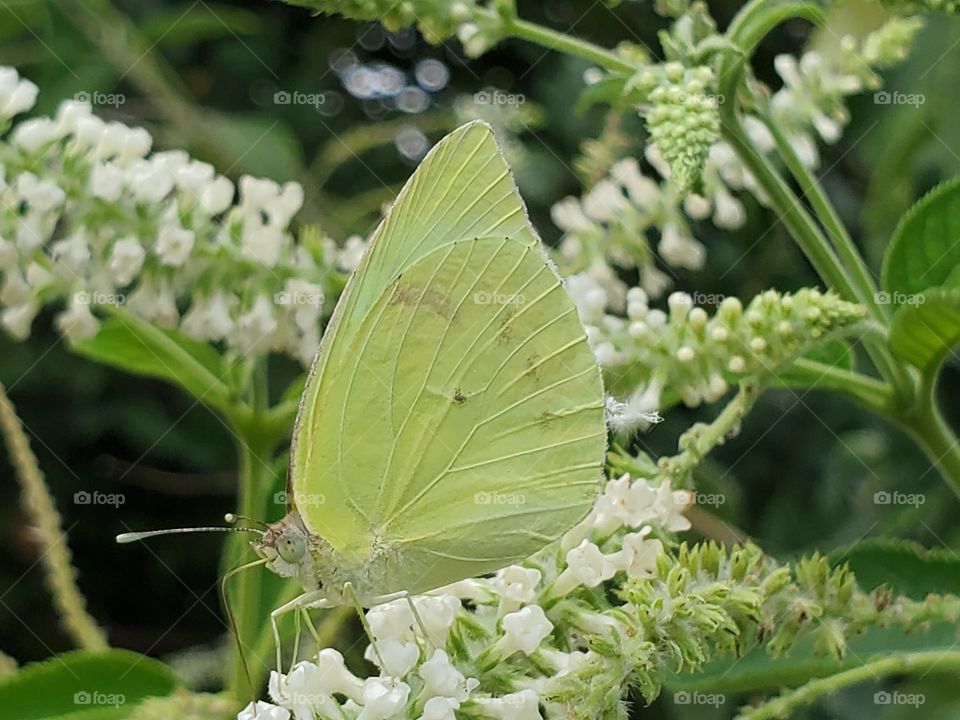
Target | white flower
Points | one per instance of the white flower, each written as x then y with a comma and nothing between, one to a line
150,180
208,319
261,710
588,295
524,630
382,698
154,301
334,676
399,658
217,196
16,95
106,181
77,322
568,216
174,245
605,202
352,253
17,319
35,134
262,243
670,506
392,620
255,328
638,558
440,677
589,565
438,613
440,708
302,691
516,583
41,195
523,705
126,259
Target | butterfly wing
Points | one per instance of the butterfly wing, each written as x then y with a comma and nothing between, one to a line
469,430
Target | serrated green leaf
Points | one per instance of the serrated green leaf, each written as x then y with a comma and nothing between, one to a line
134,345
923,333
85,686
908,568
757,670
925,248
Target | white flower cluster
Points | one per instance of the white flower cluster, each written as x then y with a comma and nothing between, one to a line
658,358
612,223
91,218
496,647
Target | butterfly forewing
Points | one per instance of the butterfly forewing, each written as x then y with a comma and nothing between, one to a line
470,431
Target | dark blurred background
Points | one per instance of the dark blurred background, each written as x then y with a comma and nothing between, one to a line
202,76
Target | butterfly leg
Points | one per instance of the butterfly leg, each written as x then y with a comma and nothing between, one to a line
352,594
315,598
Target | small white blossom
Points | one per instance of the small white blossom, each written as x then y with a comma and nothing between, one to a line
399,658
382,698
440,708
174,245
524,630
126,259
261,710
77,322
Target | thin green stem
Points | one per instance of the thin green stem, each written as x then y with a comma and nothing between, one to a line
943,662
869,392
555,40
254,485
931,432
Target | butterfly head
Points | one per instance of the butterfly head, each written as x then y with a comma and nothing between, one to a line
286,546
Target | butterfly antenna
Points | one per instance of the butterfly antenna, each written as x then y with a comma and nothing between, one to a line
130,537
232,518
231,622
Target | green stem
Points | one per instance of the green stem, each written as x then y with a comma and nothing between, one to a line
931,432
872,394
254,485
554,40
944,662
750,26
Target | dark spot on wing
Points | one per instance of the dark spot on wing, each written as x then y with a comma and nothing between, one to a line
458,397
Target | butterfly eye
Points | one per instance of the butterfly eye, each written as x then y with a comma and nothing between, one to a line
291,545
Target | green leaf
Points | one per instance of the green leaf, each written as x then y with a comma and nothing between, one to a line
85,686
757,670
184,25
908,568
925,248
134,345
923,333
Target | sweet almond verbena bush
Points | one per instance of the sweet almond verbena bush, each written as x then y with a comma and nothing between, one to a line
154,263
